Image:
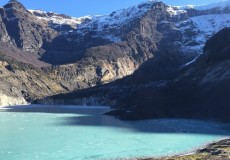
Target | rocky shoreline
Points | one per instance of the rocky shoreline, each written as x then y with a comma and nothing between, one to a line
219,150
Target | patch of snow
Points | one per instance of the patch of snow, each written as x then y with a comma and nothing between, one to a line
211,24
204,28
119,17
59,19
36,11
174,11
192,61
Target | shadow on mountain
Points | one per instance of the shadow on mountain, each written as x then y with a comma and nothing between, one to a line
165,66
62,51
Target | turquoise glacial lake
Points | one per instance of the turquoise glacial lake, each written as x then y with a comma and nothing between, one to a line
82,133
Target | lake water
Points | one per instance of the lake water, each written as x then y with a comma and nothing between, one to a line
66,133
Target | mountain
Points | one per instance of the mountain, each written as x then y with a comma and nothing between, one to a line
199,90
152,37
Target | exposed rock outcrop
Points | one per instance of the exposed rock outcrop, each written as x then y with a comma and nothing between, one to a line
22,83
10,101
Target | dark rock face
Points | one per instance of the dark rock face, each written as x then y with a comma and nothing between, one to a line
26,33
201,91
218,47
3,34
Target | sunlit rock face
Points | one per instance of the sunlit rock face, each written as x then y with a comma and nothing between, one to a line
11,101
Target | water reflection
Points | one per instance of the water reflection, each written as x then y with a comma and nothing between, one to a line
150,126
92,116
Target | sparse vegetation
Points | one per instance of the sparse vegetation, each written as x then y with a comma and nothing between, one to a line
215,151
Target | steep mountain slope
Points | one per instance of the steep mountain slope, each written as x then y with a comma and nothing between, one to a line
22,83
22,33
200,90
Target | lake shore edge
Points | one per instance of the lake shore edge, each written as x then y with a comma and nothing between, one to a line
216,150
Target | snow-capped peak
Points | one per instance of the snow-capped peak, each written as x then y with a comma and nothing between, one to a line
59,19
102,24
174,11
207,20
121,16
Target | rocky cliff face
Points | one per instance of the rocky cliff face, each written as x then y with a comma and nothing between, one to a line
23,83
25,31
200,91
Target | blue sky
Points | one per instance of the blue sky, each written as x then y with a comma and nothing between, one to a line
79,8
